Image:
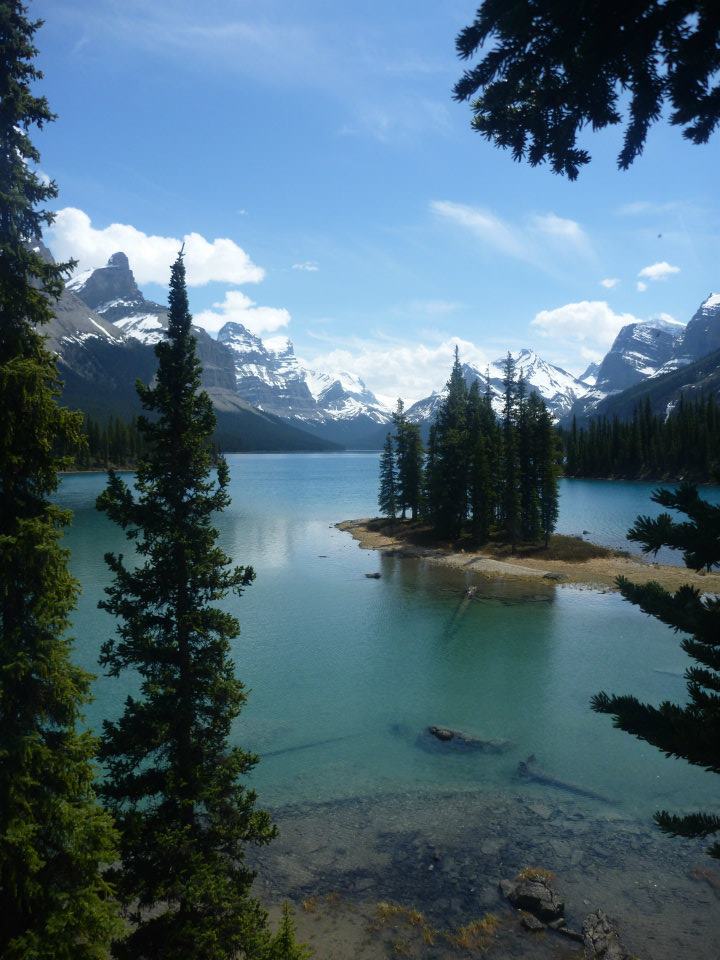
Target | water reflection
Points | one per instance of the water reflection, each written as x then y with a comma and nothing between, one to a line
334,661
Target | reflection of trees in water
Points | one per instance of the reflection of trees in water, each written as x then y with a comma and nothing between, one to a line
264,539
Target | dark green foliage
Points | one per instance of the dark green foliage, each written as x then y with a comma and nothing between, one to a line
483,477
173,782
55,903
284,945
408,463
511,499
692,731
550,69
483,439
527,424
112,443
544,465
387,495
447,507
684,444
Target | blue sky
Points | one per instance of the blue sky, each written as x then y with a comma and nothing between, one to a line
338,195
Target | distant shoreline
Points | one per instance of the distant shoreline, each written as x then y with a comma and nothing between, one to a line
596,572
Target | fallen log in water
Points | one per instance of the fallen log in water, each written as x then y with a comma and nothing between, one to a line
307,746
529,771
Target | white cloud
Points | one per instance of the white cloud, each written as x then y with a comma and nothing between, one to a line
395,368
538,240
609,282
238,308
568,231
642,207
591,321
221,260
658,271
641,287
309,266
483,224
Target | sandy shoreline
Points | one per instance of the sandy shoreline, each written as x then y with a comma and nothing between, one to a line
598,573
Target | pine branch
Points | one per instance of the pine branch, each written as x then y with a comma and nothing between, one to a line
689,826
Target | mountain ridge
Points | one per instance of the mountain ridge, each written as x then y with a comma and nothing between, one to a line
99,363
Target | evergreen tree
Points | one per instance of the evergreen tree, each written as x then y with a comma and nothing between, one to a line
55,903
409,457
431,480
511,506
387,499
449,460
400,422
691,731
547,456
284,945
528,413
410,473
685,444
480,487
172,780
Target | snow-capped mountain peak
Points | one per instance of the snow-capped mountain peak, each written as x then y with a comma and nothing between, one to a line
556,386
270,375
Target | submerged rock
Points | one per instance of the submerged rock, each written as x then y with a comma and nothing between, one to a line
534,892
601,938
464,741
531,922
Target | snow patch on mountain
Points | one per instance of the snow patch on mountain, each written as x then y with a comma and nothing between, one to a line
558,388
270,375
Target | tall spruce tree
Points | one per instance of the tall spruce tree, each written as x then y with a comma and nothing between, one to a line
546,452
173,782
387,495
400,422
55,903
691,731
480,487
511,506
450,457
410,472
528,412
409,457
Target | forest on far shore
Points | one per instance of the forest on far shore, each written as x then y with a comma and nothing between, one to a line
684,445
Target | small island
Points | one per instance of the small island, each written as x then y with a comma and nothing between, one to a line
566,559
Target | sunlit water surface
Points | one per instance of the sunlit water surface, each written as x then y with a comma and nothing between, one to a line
344,671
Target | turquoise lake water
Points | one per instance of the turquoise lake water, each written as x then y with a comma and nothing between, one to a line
345,671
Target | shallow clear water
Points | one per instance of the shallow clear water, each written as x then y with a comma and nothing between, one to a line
344,671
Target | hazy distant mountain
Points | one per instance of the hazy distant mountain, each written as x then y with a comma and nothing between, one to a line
589,375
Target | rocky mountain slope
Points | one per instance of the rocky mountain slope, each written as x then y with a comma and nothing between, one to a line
643,357
695,380
639,351
100,360
336,408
